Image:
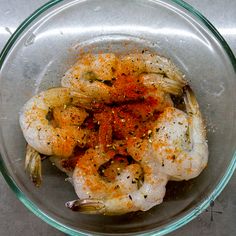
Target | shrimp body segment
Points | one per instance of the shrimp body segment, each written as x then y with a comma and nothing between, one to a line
39,131
179,140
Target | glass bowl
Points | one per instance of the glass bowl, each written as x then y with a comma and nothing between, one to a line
48,42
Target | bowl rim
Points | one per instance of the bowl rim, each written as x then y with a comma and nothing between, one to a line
170,226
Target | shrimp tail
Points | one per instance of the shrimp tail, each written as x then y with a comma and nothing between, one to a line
193,109
88,206
172,86
197,132
80,98
166,84
33,165
190,101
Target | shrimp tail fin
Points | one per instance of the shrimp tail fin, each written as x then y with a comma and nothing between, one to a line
172,86
166,84
190,100
193,110
33,165
88,206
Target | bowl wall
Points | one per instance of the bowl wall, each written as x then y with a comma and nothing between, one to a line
51,43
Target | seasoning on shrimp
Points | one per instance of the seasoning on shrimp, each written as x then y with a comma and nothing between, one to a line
115,129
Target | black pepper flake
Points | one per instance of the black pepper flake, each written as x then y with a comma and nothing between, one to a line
117,186
157,129
173,158
134,182
48,143
130,197
145,196
128,177
107,82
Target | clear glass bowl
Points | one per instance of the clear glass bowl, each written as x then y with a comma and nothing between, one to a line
44,47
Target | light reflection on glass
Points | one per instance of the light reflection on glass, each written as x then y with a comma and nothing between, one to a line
125,29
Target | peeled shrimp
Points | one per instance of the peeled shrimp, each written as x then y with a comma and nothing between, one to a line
97,196
39,131
93,74
179,140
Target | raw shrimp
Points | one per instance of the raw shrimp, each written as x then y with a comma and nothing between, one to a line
124,195
90,74
95,75
39,131
179,140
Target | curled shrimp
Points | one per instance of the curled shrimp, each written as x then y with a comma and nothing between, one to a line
38,129
97,196
95,74
179,140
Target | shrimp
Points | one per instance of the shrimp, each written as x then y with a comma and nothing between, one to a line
90,74
38,129
124,195
179,140
95,75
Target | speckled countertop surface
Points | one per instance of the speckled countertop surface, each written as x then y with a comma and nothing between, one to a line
218,220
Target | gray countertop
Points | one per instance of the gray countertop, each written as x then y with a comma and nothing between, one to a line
218,220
